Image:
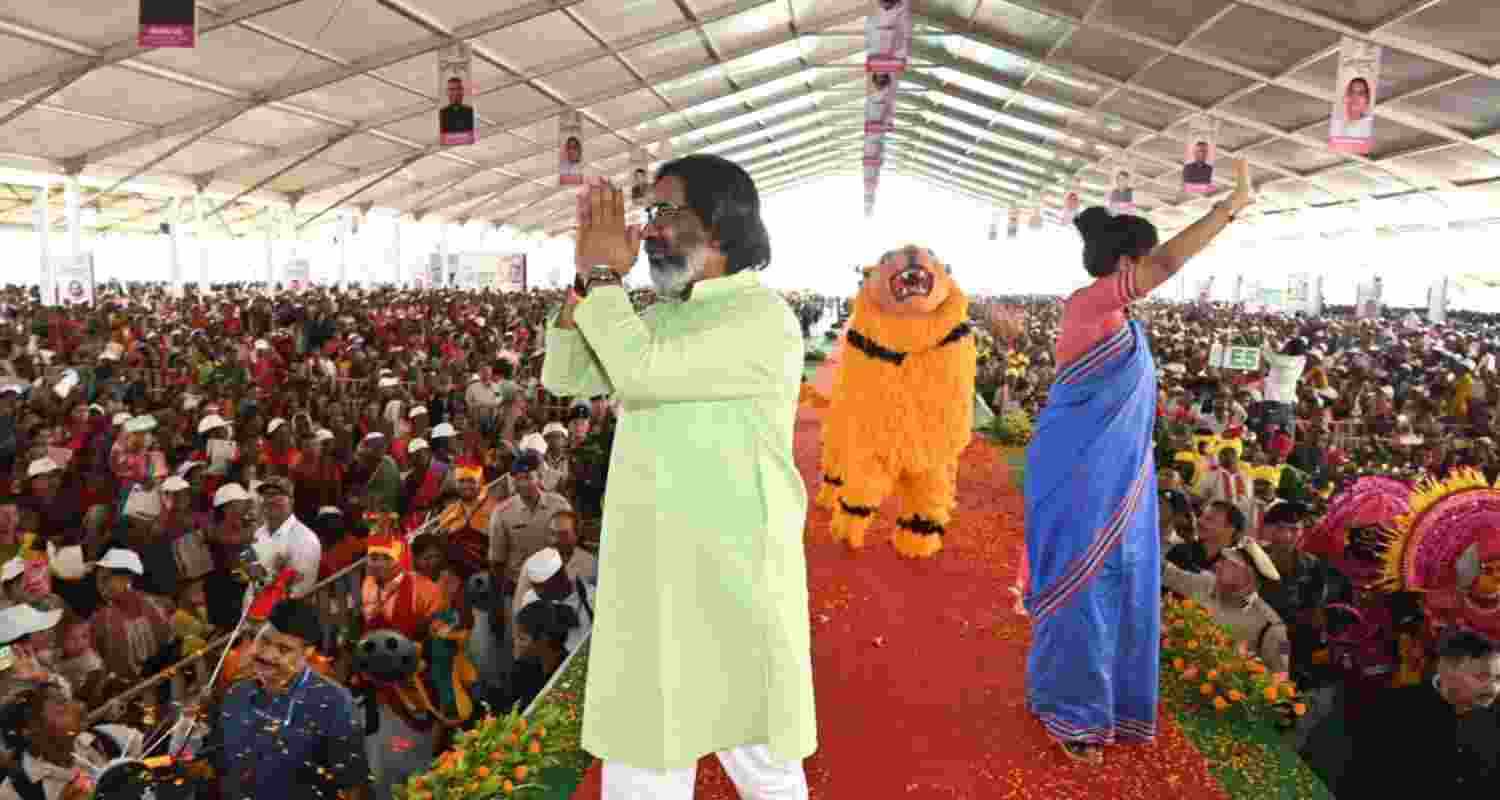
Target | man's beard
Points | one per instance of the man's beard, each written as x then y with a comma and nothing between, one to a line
672,272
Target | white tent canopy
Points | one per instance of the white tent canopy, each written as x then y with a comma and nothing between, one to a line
289,111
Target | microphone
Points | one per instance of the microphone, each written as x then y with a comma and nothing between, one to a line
254,570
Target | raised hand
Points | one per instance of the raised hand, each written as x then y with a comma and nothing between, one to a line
603,238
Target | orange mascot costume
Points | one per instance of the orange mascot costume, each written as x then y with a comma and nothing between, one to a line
902,405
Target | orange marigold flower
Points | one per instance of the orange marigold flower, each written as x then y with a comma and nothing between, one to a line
1206,689
1288,691
1299,709
1178,664
508,787
1235,696
1192,644
1271,694
1219,704
483,772
1213,674
520,772
536,747
1187,602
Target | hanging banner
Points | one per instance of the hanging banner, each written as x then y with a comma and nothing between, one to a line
570,148
1299,293
297,275
512,276
1198,163
1271,299
1252,298
1367,300
456,119
1013,225
640,178
1437,302
1351,128
1122,196
168,23
1071,202
880,103
73,280
476,271
888,36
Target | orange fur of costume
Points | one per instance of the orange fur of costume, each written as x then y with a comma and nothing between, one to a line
899,429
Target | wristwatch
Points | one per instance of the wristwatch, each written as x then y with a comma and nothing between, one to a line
598,276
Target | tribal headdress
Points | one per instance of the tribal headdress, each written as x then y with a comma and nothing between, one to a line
1371,501
1448,521
468,468
392,547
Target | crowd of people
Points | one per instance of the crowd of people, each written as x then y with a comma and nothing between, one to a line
1314,459
352,461
181,466
312,483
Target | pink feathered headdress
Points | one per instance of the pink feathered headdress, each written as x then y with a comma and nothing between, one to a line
1447,520
1371,501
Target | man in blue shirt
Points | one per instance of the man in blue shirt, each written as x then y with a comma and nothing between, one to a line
285,731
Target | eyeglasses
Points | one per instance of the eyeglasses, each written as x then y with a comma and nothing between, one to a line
657,212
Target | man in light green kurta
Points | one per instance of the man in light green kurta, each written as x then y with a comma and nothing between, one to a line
701,642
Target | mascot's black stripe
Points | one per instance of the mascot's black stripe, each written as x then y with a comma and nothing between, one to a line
873,350
918,524
959,331
857,511
832,481
867,346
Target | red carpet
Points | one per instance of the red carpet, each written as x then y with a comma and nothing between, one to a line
919,670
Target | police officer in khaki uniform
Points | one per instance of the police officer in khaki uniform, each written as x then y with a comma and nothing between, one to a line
1229,592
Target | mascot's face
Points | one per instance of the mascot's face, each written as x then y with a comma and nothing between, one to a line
908,282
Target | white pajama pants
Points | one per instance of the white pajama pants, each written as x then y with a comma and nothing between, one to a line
755,775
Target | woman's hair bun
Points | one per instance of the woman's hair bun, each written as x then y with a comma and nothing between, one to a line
1107,237
1093,221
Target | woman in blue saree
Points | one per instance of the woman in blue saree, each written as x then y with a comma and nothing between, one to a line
1092,547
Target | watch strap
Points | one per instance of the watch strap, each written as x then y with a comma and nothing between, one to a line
598,276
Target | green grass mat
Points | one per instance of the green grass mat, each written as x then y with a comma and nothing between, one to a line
1249,761
566,694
